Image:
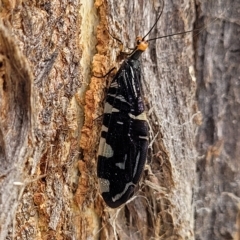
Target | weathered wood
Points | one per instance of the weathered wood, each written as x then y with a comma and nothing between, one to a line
15,112
48,184
217,60
39,127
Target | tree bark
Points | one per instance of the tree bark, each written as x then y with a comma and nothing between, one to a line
40,125
217,62
50,106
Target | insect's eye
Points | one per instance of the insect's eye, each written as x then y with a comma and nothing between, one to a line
138,40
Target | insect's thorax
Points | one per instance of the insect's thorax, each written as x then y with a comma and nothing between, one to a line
136,54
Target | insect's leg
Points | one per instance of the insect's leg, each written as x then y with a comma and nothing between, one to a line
106,73
121,42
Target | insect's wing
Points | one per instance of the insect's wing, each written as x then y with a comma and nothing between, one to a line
124,137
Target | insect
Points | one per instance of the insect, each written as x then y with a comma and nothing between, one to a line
124,137
123,144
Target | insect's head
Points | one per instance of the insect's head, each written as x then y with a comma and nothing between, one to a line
141,44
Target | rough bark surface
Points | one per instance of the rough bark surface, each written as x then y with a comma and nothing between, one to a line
50,107
39,127
217,195
15,108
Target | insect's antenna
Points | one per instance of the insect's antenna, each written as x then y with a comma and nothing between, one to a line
194,30
155,22
170,35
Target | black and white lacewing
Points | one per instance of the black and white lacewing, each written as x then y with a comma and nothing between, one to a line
124,138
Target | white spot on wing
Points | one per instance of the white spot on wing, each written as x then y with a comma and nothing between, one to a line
122,164
108,108
115,110
143,137
119,195
141,116
105,149
114,85
136,164
120,122
104,128
104,185
119,97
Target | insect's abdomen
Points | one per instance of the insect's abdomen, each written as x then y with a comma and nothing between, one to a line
124,137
